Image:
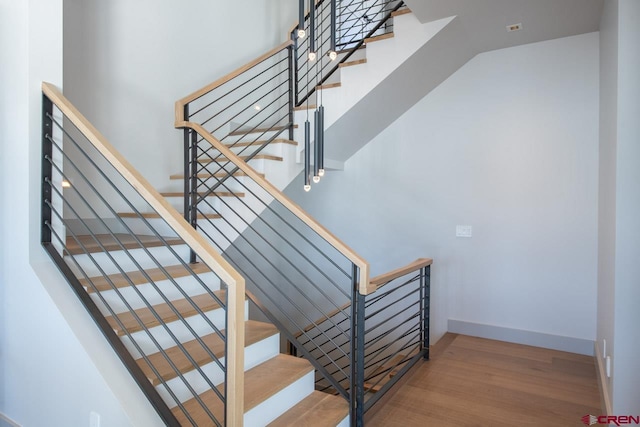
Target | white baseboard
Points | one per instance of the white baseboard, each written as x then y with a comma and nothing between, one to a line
6,421
603,382
519,336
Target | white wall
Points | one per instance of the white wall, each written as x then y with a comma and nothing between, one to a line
49,347
47,377
509,145
607,184
126,63
619,233
626,390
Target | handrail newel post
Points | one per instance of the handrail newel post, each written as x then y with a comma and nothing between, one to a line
47,169
426,301
193,187
188,178
356,392
291,90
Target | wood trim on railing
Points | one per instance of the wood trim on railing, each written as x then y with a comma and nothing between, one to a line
224,270
385,278
179,106
364,286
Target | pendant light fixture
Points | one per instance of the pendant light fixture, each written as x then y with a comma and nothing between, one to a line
312,30
320,143
307,155
301,31
333,54
316,146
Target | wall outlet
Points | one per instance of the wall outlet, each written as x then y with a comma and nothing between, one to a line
464,231
94,419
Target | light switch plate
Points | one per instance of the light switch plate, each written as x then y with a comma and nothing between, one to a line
464,231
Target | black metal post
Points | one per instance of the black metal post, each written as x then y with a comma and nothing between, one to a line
426,285
187,165
193,190
356,391
47,169
291,90
360,362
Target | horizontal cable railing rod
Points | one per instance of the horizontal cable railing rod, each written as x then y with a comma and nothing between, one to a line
180,104
234,281
356,259
209,104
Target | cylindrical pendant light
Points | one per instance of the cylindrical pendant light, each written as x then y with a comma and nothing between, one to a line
316,146
307,155
301,31
312,30
320,157
333,54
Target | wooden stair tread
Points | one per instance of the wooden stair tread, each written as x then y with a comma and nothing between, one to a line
260,383
153,215
110,244
329,86
119,280
248,131
316,410
400,12
343,51
257,157
214,194
259,143
304,107
378,38
352,63
204,176
204,301
254,332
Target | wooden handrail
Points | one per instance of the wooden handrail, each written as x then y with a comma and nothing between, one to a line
385,278
364,286
224,270
179,106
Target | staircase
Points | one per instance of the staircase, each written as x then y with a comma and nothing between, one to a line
198,308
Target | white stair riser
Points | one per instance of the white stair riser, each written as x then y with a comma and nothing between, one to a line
179,330
124,260
189,285
280,402
255,354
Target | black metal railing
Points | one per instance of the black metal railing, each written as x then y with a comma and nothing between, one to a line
392,330
355,22
246,110
127,264
294,275
308,286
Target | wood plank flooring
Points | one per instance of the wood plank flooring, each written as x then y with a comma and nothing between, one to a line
477,382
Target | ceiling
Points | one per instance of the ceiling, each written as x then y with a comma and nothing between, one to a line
485,21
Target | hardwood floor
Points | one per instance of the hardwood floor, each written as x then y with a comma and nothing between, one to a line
477,382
